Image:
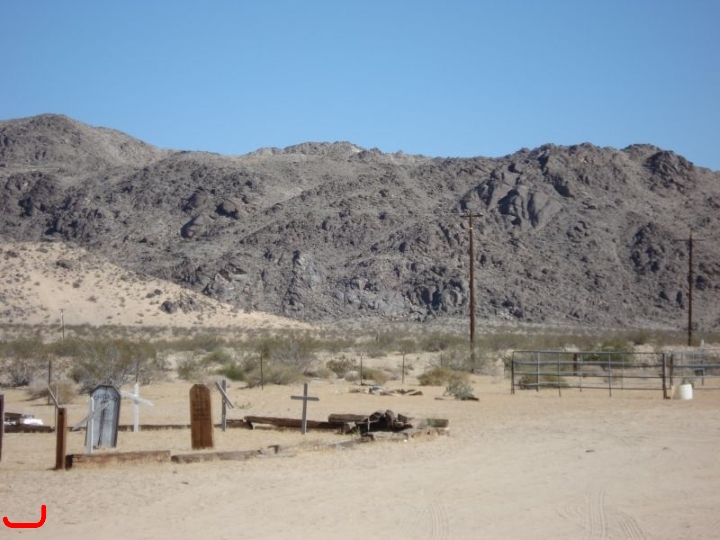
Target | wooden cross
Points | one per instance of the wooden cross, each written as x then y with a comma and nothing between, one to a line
222,387
305,398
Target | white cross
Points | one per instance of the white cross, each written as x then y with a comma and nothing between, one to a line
137,400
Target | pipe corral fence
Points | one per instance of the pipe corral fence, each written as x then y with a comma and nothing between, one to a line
615,370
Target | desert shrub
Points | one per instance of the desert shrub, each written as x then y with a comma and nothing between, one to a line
64,390
115,363
438,342
408,345
436,376
384,343
531,381
297,351
325,373
459,389
232,371
440,376
21,361
201,342
189,368
20,371
221,356
378,376
272,373
68,348
639,337
341,366
334,344
22,348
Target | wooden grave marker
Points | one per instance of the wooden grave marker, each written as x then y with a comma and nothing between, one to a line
201,426
225,402
305,398
93,413
105,424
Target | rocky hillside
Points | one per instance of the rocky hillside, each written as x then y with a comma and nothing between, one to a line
319,231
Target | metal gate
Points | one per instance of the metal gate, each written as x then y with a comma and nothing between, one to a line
614,370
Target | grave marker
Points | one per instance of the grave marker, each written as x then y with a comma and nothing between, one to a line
105,424
52,396
225,402
137,400
305,398
201,427
93,413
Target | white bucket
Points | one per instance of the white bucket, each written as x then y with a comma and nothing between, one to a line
685,391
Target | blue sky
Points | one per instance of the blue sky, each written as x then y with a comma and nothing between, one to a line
451,78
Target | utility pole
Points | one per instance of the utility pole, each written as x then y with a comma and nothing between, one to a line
690,289
471,252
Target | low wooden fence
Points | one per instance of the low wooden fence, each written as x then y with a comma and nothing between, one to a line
614,370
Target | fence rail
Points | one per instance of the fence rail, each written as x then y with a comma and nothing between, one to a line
614,370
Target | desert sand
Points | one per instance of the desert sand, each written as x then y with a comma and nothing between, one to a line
525,466
46,283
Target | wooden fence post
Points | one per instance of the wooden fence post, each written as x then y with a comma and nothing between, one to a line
61,445
2,421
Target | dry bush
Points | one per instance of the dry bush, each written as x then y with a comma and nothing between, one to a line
64,390
115,363
188,369
460,389
378,376
232,371
298,351
441,376
341,366
271,373
21,361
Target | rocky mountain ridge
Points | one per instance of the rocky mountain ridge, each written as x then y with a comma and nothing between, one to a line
326,231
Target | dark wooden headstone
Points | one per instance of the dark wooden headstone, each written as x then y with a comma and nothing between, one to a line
105,423
201,426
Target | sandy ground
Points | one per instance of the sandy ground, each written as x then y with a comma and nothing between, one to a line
528,466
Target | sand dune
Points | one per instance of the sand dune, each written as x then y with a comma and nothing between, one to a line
39,280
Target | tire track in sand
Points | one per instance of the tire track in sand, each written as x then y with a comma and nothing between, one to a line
601,520
428,518
595,519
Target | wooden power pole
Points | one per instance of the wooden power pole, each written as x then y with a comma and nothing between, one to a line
471,253
690,290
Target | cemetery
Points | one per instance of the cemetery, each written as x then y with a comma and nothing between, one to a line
175,471
102,445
